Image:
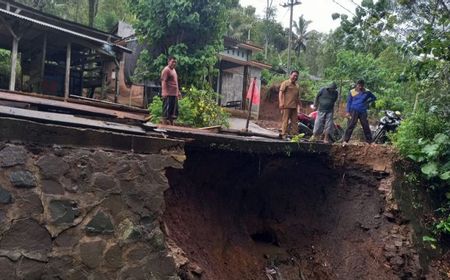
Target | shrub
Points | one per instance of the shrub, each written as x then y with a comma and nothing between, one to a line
198,108
424,138
421,125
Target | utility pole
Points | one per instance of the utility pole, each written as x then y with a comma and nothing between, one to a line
290,4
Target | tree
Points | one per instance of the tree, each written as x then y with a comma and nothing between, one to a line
241,21
192,31
301,34
93,9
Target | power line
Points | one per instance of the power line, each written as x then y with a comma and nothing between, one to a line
290,4
339,4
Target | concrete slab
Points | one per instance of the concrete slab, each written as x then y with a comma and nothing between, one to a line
239,124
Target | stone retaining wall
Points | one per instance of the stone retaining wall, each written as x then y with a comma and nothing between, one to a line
79,213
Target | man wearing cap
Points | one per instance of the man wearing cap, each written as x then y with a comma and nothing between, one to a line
324,102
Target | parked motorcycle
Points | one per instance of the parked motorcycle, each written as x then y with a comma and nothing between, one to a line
306,126
388,123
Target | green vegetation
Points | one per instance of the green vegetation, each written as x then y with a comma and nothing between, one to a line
5,65
192,31
197,108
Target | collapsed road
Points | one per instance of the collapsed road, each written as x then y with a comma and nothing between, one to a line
93,201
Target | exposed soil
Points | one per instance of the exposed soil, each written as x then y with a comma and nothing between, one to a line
239,216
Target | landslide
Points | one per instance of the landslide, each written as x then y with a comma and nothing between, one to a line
240,216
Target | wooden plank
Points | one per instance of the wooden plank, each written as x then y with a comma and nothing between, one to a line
59,103
67,79
65,119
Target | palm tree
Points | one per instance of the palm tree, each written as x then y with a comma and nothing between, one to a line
301,34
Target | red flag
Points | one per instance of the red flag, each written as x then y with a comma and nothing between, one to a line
253,93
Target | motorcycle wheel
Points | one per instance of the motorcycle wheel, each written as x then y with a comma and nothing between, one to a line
304,129
379,136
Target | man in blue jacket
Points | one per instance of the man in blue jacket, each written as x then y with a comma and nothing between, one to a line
358,101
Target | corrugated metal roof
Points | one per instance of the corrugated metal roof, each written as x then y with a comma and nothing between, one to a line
64,30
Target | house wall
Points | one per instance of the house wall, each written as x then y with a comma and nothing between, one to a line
232,83
240,54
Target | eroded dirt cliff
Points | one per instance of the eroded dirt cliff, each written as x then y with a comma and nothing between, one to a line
240,216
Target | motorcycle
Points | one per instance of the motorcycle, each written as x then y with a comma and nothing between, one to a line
306,126
388,123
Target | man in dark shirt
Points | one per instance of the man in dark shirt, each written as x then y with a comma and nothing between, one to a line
324,103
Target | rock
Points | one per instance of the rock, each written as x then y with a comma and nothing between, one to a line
59,267
156,239
100,224
104,182
160,265
5,196
12,155
128,231
92,253
22,179
63,211
115,206
67,239
52,166
137,254
30,270
397,261
101,159
390,217
135,273
27,237
28,204
113,257
52,187
7,269
69,185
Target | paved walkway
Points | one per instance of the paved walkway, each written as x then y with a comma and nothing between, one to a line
239,124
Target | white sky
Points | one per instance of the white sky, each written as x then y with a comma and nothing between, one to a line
318,11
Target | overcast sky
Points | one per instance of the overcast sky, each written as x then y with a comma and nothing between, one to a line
318,11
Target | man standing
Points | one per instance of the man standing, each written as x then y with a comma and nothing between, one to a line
289,103
324,102
170,92
358,101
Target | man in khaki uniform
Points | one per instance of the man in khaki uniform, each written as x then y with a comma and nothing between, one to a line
289,102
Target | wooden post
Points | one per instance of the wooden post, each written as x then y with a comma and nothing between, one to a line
250,105
244,86
67,80
15,47
44,54
116,83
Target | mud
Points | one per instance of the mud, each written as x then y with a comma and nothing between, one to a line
239,216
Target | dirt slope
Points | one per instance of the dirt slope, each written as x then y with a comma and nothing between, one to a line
239,216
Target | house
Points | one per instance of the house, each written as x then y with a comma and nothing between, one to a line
57,57
236,68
